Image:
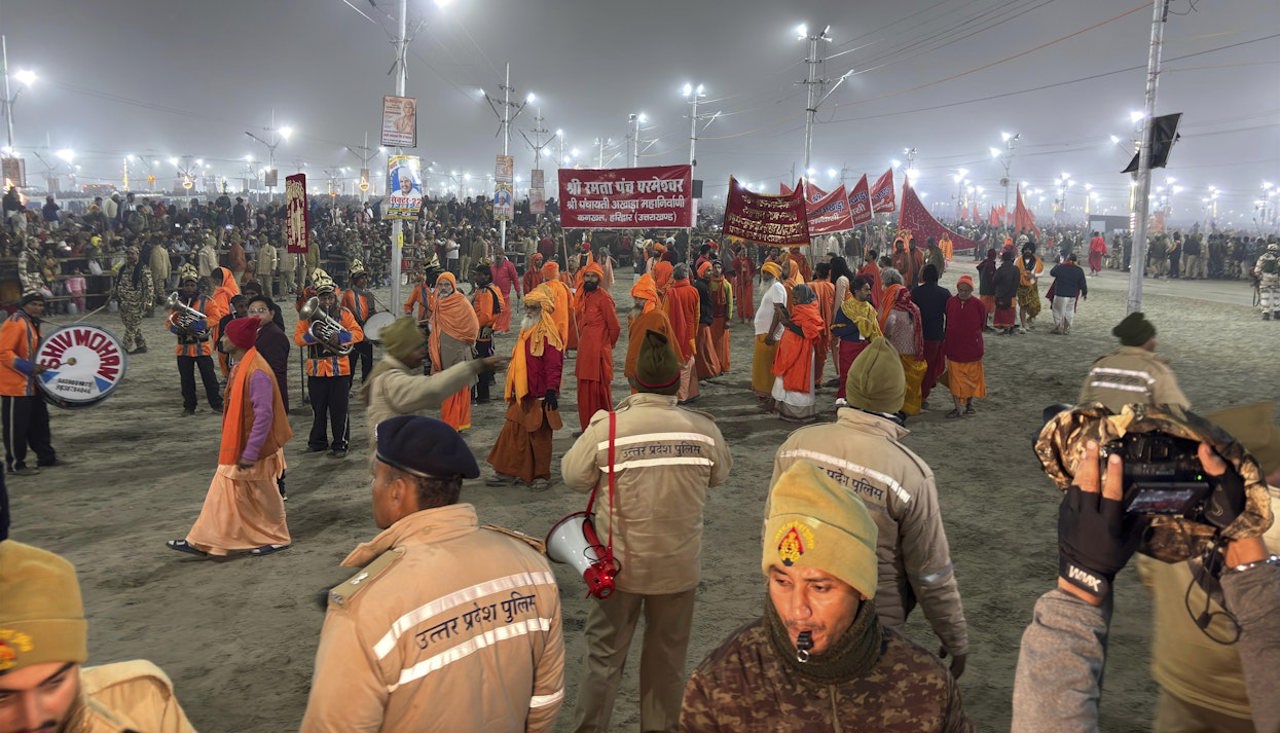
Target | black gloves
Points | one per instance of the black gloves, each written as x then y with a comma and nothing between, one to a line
1095,540
550,399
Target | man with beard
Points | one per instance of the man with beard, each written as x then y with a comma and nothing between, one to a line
768,329
963,347
646,314
43,686
820,657
598,333
505,280
523,449
1097,251
721,313
328,372
1029,269
856,325
907,260
454,329
532,277
133,289
359,300
871,271
707,356
682,308
489,305
195,343
560,299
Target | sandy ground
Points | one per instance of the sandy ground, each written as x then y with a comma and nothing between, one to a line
238,637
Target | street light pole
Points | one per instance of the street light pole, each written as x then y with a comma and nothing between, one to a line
1138,254
812,86
8,98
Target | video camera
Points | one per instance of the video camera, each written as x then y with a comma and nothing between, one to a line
1162,474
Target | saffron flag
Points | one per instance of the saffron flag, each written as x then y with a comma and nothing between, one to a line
778,221
829,213
882,194
915,218
860,202
1023,220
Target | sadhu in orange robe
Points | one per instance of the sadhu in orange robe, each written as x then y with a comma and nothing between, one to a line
598,331
454,329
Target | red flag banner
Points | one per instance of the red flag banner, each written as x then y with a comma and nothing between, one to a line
814,193
916,218
778,221
829,213
1023,220
784,189
626,198
882,194
296,222
860,202
993,219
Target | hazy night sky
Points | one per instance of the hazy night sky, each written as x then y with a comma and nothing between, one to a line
188,78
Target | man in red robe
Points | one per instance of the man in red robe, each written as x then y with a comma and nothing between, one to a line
598,331
721,313
908,260
743,277
681,307
1097,250
532,274
802,263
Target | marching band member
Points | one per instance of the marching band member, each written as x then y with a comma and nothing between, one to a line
328,371
26,417
358,299
469,616
195,345
243,509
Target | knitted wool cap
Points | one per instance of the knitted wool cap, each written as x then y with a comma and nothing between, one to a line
876,381
657,366
401,338
813,522
1134,330
41,614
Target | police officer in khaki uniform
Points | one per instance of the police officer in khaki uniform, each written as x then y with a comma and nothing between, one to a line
449,626
862,452
1133,372
44,641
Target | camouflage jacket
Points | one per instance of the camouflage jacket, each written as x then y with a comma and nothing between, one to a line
745,687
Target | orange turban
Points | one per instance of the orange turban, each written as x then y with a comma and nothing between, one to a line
595,269
662,275
772,268
551,271
646,290
704,268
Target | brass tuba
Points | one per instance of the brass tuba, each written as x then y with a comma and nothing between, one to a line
323,327
188,315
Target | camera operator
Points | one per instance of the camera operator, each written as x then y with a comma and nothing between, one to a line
1057,686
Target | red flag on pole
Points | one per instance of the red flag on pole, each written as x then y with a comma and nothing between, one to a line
882,194
1023,220
860,202
830,213
916,218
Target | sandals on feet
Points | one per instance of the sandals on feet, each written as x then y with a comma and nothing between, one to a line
267,550
187,547
968,410
953,414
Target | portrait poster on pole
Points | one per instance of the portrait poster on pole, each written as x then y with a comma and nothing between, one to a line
537,192
404,186
399,122
296,224
504,197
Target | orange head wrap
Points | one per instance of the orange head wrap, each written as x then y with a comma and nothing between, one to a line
646,290
551,271
704,268
593,269
662,275
772,269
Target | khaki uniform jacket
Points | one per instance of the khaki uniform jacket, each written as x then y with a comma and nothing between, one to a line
130,696
665,458
265,260
207,261
1132,374
395,389
861,452
449,627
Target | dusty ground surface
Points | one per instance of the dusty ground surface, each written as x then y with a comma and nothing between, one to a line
238,637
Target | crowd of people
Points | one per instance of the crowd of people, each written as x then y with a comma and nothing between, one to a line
444,608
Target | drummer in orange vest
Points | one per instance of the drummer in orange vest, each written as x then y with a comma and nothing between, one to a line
195,344
26,417
359,300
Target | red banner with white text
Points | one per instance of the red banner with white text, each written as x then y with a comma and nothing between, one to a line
830,213
626,198
777,221
295,220
882,194
860,202
915,218
813,192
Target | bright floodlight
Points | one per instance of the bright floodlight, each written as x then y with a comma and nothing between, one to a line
1004,136
26,76
687,90
1065,175
199,161
802,31
66,154
832,172
1115,140
995,152
529,98
286,132
248,158
1135,116
382,150
895,163
642,118
914,173
962,172
559,133
173,161
443,3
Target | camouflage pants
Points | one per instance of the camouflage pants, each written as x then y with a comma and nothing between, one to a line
131,316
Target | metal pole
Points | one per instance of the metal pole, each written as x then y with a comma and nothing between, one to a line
810,108
8,100
1138,257
506,144
600,160
397,226
693,128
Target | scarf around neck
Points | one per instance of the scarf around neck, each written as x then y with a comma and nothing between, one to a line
854,654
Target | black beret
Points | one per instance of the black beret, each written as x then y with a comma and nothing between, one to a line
424,446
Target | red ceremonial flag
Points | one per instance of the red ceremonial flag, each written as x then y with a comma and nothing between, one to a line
860,202
777,221
974,214
296,221
916,218
829,213
1004,214
992,218
1023,220
626,198
882,194
784,189
813,192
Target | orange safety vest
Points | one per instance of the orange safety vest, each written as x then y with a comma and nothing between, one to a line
19,339
321,362
199,344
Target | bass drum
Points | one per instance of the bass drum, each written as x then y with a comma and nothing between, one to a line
373,327
84,365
